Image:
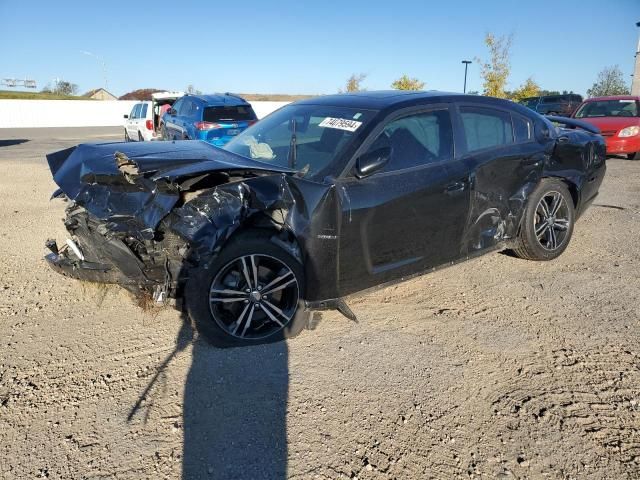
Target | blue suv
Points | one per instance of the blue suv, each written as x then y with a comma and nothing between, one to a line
213,118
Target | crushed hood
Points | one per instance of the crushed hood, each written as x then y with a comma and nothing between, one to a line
132,186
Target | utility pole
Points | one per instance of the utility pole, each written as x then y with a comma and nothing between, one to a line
635,84
102,62
466,65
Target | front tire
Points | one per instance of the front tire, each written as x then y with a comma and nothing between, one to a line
547,224
251,293
633,156
126,136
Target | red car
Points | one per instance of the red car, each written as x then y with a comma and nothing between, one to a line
618,118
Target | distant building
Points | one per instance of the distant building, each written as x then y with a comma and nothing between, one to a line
100,94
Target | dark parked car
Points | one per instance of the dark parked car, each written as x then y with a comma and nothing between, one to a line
323,198
562,105
213,118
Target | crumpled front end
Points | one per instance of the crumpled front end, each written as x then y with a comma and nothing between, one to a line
144,222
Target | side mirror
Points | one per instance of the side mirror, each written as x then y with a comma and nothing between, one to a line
126,116
372,161
171,111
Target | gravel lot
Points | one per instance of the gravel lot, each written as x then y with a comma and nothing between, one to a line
498,367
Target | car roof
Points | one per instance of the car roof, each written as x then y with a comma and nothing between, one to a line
220,99
613,97
383,99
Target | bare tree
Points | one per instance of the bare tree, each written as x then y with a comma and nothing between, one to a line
354,83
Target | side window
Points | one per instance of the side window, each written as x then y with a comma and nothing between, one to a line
521,128
185,107
136,111
133,112
417,139
177,105
143,110
486,127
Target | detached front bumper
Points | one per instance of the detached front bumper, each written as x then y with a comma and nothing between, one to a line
87,271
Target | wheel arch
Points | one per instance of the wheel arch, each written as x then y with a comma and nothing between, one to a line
571,186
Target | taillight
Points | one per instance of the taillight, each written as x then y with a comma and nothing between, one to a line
206,125
149,124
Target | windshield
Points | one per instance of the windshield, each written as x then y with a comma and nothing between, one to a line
608,108
307,138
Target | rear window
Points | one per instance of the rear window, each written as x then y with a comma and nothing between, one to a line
486,128
236,113
552,99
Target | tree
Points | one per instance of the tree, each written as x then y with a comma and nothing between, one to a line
354,83
192,90
406,83
528,89
140,94
65,88
609,82
495,71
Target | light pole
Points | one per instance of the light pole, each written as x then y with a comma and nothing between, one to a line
635,84
466,65
101,61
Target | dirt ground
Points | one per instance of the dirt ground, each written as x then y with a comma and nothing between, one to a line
496,368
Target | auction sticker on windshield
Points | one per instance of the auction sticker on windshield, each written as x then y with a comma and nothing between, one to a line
340,124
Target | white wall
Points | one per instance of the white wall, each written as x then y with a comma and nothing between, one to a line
81,113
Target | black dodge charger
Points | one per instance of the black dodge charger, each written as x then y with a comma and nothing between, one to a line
323,198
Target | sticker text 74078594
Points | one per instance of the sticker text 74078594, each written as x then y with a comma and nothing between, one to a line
340,124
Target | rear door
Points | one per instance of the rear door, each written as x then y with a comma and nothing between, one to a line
139,122
130,124
505,163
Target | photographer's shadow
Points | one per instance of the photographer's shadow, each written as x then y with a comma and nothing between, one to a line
234,412
235,405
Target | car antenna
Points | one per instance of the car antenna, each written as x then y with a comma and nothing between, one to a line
293,154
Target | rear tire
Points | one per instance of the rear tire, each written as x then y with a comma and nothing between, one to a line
140,137
233,307
633,156
547,223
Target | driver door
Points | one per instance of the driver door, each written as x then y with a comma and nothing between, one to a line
410,214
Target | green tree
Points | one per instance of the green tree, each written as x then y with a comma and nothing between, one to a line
495,71
528,89
354,83
407,83
65,88
609,82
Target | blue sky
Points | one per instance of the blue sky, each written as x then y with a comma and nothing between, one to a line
311,47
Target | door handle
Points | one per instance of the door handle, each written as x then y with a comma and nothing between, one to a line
455,187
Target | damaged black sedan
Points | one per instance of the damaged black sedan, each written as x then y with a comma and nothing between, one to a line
321,199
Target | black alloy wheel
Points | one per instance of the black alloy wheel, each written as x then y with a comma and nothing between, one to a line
547,222
254,296
251,292
551,222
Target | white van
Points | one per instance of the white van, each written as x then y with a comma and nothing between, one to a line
142,123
